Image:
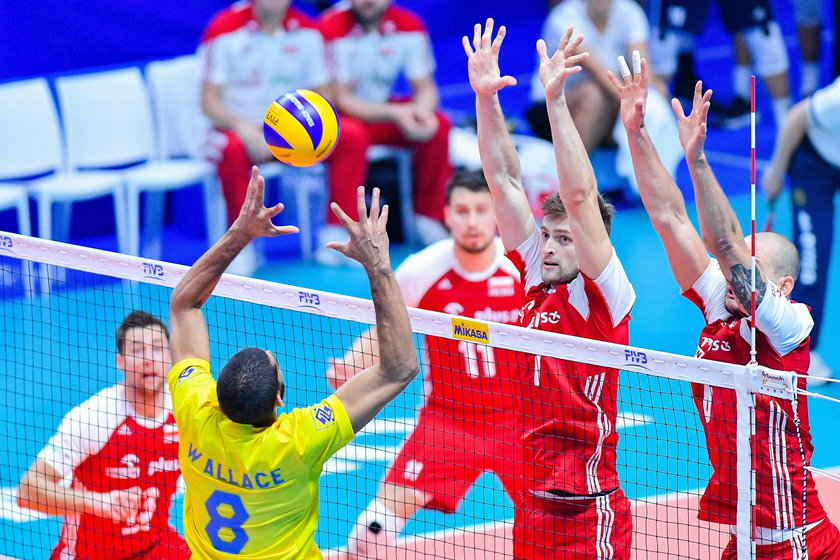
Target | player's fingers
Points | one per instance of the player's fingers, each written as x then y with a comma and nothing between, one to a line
488,33
477,36
643,73
698,96
506,81
383,217
573,46
361,206
284,230
614,81
704,111
500,36
624,70
341,215
707,96
467,48
374,204
541,50
576,59
564,40
678,108
637,64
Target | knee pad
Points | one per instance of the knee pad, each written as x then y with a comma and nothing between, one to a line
767,48
375,532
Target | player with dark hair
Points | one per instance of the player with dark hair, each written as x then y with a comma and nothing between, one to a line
788,515
466,425
571,504
120,448
252,475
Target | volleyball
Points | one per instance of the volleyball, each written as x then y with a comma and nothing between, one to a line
301,128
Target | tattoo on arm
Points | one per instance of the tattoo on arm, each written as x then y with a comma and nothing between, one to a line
741,285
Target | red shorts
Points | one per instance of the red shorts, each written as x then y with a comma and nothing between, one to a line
170,544
444,456
592,528
823,543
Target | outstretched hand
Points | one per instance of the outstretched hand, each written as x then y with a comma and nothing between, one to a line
483,62
368,237
633,91
563,63
254,218
692,128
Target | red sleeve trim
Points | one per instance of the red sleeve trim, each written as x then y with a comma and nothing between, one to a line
228,20
403,20
336,23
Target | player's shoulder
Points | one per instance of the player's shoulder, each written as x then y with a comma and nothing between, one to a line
397,18
228,20
438,258
336,22
108,402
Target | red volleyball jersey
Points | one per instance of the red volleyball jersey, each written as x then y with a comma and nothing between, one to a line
782,342
570,409
104,446
464,378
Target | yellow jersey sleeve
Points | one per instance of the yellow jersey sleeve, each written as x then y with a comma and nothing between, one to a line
321,430
192,387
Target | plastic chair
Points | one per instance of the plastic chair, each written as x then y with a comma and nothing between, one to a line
108,123
305,182
16,197
181,128
31,146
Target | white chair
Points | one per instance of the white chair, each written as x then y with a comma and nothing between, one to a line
16,197
181,129
31,146
108,123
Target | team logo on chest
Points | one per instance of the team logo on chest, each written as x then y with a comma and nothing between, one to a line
130,468
444,284
501,286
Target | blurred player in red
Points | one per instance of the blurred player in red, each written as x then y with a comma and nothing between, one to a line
120,450
370,45
466,425
788,516
572,505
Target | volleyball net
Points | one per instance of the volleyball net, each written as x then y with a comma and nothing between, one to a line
60,306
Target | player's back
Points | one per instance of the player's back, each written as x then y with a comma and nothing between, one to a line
251,492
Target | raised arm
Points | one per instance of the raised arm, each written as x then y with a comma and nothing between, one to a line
189,337
661,197
499,159
578,189
365,394
363,354
719,227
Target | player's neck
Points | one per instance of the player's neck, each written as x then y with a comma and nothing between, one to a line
147,404
475,262
269,23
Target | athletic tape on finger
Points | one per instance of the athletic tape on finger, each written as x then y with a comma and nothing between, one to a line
623,68
637,63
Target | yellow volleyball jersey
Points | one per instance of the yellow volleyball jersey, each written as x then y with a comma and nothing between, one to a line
251,492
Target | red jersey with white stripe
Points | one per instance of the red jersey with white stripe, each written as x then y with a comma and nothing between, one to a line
464,378
104,446
570,408
372,61
254,67
782,342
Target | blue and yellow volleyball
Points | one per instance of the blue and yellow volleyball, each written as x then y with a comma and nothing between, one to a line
301,128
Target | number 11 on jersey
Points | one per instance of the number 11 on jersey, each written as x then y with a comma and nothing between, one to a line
475,353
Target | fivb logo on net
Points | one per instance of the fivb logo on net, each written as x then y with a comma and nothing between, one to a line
153,271
6,243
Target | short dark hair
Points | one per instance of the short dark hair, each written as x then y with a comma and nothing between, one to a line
248,386
553,206
137,320
473,181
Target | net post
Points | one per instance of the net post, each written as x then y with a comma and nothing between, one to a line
745,403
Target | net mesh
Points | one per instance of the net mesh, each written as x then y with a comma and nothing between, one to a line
58,349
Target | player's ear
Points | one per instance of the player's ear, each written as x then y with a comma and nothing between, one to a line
786,285
120,361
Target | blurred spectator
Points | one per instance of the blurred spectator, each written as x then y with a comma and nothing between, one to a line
611,28
757,36
808,151
809,18
253,52
370,43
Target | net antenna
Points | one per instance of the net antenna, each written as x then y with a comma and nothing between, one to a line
753,360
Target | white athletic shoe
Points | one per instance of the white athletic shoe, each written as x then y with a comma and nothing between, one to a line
818,369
